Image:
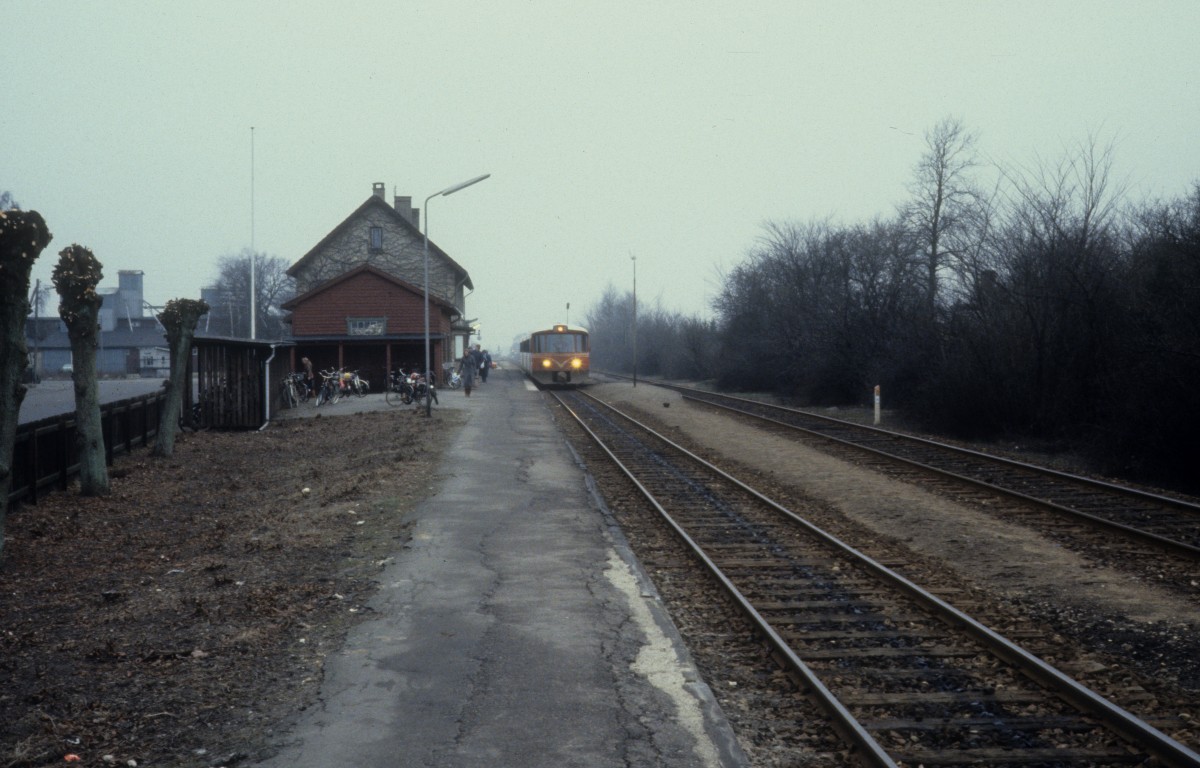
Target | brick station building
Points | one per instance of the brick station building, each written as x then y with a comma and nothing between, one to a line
359,301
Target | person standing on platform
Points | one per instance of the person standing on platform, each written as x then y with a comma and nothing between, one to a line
309,379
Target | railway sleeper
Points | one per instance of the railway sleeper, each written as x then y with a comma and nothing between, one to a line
777,605
952,724
829,605
1015,757
941,698
820,621
932,652
868,634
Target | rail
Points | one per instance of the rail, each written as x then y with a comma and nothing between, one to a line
45,453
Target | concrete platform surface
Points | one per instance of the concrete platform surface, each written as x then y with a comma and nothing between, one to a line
516,630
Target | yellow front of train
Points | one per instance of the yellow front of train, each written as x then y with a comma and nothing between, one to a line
560,356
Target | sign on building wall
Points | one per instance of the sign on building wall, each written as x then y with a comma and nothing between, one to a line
366,326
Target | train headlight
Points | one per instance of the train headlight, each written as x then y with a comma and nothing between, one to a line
545,362
576,363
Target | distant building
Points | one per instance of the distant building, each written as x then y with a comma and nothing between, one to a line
131,340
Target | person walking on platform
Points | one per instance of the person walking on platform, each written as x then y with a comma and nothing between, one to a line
467,368
486,365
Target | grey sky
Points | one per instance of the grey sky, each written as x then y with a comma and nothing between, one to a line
667,130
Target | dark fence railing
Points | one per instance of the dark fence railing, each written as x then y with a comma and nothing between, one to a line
45,454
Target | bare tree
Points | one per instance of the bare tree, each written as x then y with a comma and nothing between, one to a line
694,354
1150,384
75,278
272,287
23,236
179,317
1060,265
942,193
610,324
1071,203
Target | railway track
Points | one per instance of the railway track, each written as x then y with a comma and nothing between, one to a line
907,678
1169,524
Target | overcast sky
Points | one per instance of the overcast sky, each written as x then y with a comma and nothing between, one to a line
669,131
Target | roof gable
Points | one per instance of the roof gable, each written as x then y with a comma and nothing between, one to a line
371,204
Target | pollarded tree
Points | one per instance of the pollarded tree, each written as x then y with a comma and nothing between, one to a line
179,317
75,278
23,236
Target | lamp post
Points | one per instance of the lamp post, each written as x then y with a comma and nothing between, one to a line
447,191
634,260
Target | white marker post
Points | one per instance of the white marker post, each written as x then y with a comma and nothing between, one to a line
877,405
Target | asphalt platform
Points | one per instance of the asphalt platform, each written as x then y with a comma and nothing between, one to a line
517,629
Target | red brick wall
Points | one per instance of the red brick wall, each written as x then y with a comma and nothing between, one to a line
366,295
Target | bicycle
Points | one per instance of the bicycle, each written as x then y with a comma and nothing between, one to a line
425,390
432,387
295,391
331,390
399,389
302,390
356,384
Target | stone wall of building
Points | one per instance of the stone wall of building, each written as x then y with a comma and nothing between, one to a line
402,254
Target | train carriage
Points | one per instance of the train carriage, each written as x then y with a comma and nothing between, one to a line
558,355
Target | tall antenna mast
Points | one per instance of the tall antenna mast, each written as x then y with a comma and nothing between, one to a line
253,308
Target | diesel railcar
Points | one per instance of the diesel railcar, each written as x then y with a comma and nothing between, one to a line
558,355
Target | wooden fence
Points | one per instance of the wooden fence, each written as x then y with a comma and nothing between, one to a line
45,454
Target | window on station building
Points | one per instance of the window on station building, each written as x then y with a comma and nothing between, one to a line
376,238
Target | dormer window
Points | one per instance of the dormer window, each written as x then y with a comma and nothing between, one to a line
376,239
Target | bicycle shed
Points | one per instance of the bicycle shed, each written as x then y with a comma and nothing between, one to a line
235,382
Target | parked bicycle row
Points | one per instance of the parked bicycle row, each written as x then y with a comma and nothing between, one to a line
335,384
404,387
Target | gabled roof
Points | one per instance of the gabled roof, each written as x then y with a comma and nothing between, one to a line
360,270
379,202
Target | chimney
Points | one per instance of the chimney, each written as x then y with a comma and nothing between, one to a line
404,207
379,189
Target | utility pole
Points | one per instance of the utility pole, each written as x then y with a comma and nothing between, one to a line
634,260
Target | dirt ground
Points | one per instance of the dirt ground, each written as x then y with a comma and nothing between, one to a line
178,620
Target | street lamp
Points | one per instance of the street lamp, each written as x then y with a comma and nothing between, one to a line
446,191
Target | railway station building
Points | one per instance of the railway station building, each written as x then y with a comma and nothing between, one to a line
360,295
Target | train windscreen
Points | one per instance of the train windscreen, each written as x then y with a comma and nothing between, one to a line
560,343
